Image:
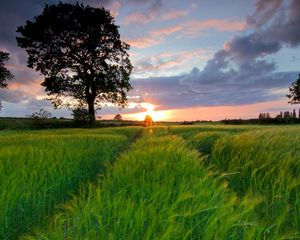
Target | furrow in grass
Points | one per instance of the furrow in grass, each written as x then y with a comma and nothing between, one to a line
267,163
263,162
160,189
39,170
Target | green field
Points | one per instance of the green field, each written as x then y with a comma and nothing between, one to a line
208,181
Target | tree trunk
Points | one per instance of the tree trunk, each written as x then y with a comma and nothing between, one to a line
91,110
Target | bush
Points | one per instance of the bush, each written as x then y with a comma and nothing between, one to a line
41,114
80,115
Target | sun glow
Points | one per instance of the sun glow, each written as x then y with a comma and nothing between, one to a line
150,110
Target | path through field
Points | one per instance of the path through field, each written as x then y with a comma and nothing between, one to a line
40,170
162,188
173,182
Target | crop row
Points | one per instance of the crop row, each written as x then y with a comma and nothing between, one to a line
159,189
39,170
263,163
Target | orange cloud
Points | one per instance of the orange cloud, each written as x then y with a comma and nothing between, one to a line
143,42
195,27
192,28
115,8
175,14
154,15
33,89
169,60
139,18
166,31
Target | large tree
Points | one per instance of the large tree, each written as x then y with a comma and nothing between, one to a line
79,51
5,74
294,95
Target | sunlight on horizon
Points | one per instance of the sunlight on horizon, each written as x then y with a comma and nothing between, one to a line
162,115
214,113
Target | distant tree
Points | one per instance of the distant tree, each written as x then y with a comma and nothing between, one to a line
294,95
264,116
5,75
118,117
299,113
286,114
79,51
41,114
279,116
294,114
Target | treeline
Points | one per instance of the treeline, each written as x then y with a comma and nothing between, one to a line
285,114
284,117
262,121
53,123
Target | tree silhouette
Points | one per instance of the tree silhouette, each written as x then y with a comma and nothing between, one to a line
5,75
41,114
79,51
118,117
80,115
294,95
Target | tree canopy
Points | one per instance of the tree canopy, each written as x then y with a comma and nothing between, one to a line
5,74
294,95
79,51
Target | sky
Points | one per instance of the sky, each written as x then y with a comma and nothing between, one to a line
192,59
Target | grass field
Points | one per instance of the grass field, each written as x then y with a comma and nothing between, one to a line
174,182
39,170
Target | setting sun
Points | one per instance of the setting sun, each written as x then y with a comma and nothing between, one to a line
150,110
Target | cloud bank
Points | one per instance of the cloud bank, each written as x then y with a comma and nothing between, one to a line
240,73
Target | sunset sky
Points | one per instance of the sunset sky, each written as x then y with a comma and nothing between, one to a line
193,60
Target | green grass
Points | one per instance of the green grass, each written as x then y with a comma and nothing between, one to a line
40,169
157,190
265,162
261,161
204,181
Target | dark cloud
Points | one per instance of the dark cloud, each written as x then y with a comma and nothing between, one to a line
12,96
265,10
288,32
252,46
277,20
14,13
282,19
187,91
240,73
